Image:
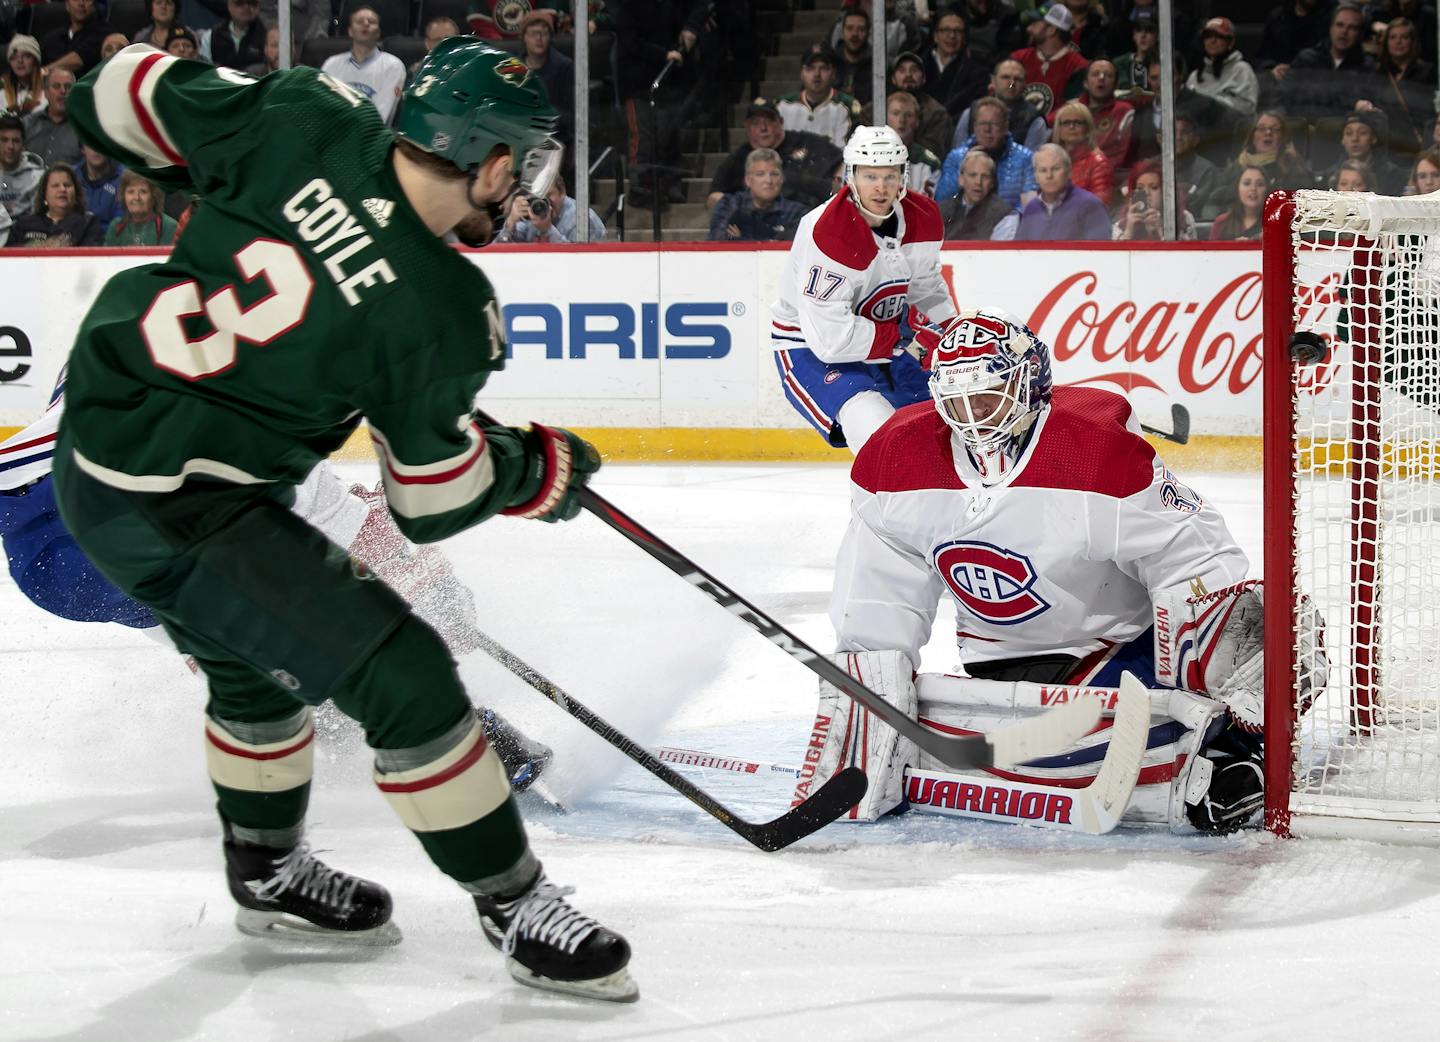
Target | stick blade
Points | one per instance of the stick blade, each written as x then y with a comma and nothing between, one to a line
1180,423
1129,732
1046,734
831,800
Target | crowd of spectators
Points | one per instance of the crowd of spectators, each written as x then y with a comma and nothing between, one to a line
1026,119
1060,98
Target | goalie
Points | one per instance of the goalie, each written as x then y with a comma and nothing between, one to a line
1072,554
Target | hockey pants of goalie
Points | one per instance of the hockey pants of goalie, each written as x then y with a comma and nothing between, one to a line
1182,725
281,619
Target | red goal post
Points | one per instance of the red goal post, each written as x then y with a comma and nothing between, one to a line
1352,512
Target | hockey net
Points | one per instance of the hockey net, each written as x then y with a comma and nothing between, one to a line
1353,512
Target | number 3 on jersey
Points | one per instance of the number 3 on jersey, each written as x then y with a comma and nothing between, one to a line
822,284
163,326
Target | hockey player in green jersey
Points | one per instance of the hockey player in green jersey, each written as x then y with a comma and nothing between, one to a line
310,291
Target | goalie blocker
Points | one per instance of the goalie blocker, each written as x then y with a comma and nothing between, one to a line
1196,771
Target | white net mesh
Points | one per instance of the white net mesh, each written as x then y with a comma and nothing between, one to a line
1367,531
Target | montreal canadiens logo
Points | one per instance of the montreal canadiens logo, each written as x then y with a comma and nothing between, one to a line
886,302
993,584
973,337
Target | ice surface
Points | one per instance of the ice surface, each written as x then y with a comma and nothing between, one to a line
117,927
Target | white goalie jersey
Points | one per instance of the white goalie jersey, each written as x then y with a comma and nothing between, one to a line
842,281
1059,557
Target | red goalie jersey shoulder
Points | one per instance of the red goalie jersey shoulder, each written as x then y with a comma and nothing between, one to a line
843,236
1084,447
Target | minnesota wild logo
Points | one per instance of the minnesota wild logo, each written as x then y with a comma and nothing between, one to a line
512,70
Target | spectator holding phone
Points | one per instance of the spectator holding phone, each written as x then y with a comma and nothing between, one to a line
1141,217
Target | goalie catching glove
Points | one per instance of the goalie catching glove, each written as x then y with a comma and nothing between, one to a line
847,734
558,465
1214,644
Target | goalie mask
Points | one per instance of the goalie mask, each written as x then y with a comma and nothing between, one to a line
990,378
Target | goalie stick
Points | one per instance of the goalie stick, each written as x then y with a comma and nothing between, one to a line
1095,808
1039,736
832,799
1179,431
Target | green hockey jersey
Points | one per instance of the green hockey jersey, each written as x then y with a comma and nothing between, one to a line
304,294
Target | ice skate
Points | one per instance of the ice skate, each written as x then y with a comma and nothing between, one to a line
291,894
524,758
549,945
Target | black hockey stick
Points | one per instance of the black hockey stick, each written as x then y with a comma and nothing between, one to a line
830,801
1037,736
1179,422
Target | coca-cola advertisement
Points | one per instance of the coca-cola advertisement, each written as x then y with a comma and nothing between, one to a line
1163,325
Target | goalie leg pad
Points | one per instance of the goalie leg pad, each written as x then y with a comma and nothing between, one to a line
846,734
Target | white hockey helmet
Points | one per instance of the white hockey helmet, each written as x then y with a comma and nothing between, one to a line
990,378
875,146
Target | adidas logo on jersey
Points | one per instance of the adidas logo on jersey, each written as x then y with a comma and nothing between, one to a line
379,210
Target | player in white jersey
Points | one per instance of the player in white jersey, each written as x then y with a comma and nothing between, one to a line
1071,553
864,268
53,572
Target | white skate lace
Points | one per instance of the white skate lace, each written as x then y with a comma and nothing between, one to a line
300,870
543,915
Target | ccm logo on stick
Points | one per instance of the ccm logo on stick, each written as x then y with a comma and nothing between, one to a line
633,332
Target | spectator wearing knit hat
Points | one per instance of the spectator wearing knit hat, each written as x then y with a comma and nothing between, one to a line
22,88
1132,69
183,43
1362,140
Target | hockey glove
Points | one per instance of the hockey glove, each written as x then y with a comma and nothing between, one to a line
927,338
1213,644
558,465
1233,787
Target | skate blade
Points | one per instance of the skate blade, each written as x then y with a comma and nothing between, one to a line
280,926
539,796
615,987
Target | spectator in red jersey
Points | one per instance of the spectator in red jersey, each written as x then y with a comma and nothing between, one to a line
1114,119
1090,168
1141,218
1051,59
1247,208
